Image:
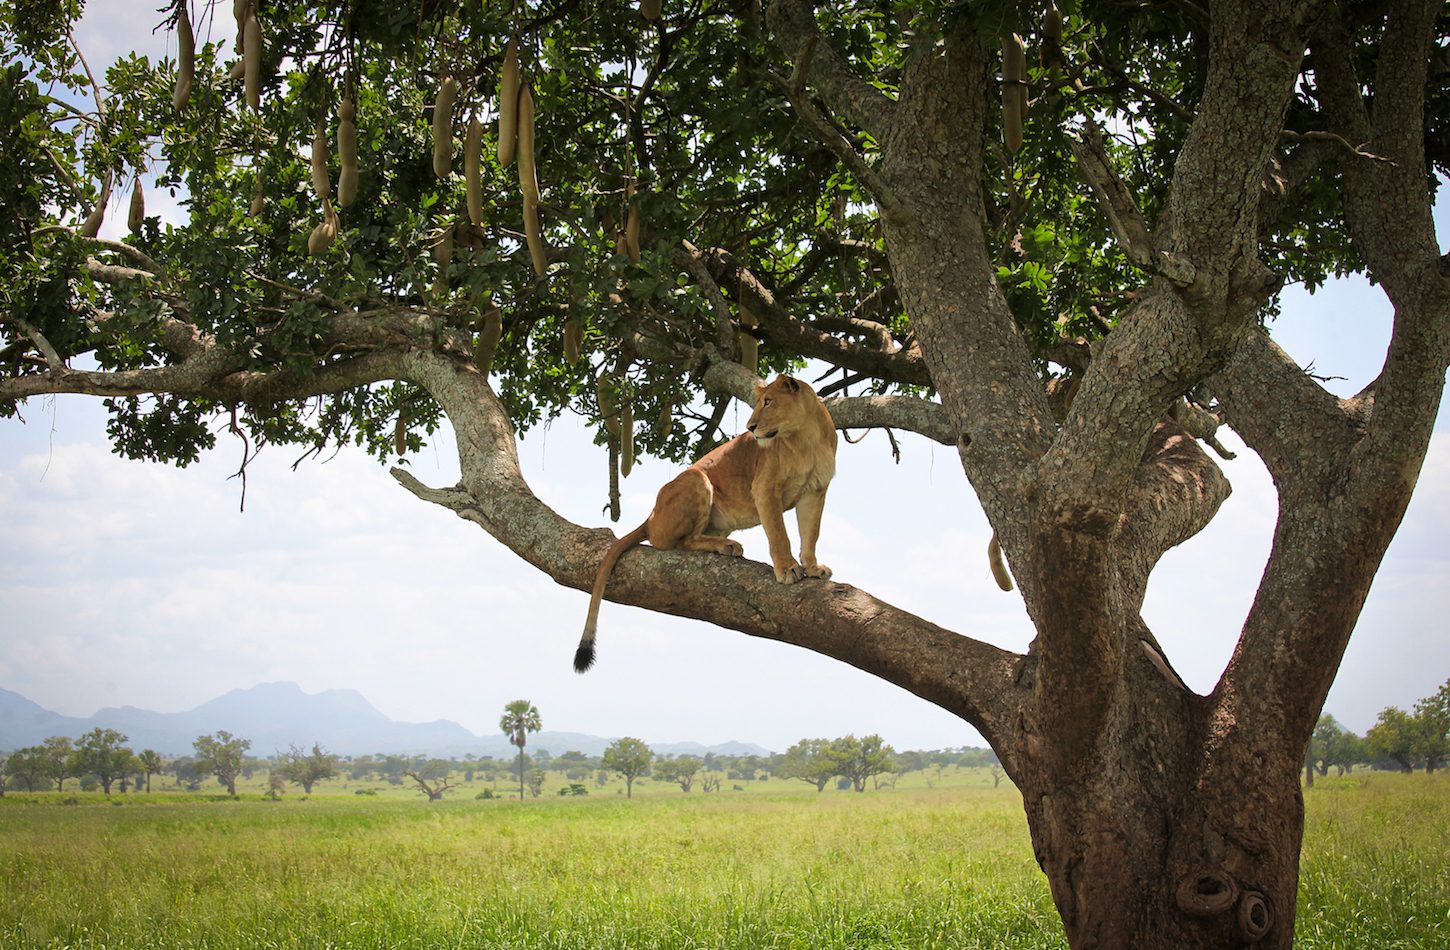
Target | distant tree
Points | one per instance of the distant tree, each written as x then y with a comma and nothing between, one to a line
520,718
1432,715
28,767
679,769
148,763
535,780
276,786
575,764
307,768
102,753
601,778
630,758
223,755
434,778
4,761
710,782
810,761
859,759
59,759
996,771
1394,738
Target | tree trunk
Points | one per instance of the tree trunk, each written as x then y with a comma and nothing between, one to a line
1176,831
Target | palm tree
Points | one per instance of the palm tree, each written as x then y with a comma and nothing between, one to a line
520,718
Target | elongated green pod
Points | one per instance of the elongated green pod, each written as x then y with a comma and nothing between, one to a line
252,62
321,183
528,170
443,127
473,170
508,103
347,153
185,60
490,330
137,215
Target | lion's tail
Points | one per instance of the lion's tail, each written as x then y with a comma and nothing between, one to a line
584,656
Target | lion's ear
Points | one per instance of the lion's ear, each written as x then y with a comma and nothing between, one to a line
791,383
759,385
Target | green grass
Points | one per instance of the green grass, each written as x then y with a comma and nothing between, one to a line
942,867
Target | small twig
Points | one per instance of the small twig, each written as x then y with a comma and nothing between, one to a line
247,456
312,296
1336,139
95,86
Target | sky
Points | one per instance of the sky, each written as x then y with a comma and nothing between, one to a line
128,583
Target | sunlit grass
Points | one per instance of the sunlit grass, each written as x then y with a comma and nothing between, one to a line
945,867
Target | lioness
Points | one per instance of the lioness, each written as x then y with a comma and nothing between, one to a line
785,459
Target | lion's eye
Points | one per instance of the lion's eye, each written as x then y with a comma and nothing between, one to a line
767,403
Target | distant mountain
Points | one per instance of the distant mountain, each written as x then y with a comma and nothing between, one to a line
277,715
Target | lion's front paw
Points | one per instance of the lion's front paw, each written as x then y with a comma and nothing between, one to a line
734,549
790,574
819,571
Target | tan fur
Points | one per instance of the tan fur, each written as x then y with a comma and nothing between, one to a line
784,460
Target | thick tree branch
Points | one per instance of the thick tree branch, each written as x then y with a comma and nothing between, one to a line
793,24
1279,411
972,679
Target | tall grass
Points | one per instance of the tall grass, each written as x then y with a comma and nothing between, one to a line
911,868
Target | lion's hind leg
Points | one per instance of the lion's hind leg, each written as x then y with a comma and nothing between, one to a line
682,513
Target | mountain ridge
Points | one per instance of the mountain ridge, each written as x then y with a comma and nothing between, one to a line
280,714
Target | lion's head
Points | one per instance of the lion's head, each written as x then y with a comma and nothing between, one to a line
782,407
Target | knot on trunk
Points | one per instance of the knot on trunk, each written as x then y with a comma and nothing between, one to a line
1206,893
1256,917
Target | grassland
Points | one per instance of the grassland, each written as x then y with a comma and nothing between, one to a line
783,867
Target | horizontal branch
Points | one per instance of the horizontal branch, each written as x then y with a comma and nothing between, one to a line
969,678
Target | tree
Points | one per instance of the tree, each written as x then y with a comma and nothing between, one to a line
58,759
810,760
534,778
307,768
433,778
4,763
1395,737
100,753
833,184
520,718
223,755
680,769
149,761
1432,715
859,759
28,767
630,758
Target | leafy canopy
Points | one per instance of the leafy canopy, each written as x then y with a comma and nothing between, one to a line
686,119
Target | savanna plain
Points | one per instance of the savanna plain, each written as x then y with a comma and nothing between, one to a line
783,867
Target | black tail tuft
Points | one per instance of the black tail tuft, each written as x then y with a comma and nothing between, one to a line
584,658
